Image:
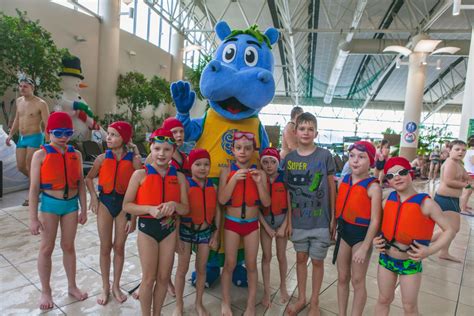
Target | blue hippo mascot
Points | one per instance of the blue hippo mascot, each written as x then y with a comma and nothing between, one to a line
237,83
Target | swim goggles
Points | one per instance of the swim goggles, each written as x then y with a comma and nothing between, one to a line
162,139
359,147
62,132
248,135
401,173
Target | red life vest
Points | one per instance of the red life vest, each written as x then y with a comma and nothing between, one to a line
245,191
279,197
114,175
202,203
404,222
353,202
183,167
155,189
60,171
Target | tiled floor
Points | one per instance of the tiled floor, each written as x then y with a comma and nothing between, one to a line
447,288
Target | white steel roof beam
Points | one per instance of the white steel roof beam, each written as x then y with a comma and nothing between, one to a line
424,26
343,53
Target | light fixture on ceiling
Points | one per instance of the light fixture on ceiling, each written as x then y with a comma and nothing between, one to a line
398,49
132,53
438,64
426,47
127,2
446,50
423,60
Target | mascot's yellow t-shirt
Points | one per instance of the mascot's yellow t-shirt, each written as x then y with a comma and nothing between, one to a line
217,137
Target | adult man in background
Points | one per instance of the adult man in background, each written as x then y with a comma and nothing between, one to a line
30,112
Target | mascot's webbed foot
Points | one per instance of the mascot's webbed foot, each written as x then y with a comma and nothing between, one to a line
212,274
183,96
239,276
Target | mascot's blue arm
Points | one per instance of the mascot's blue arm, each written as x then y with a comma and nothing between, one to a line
264,141
192,127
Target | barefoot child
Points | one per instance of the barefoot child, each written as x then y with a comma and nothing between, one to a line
454,179
197,228
358,214
243,189
309,174
114,168
274,224
407,226
157,194
56,172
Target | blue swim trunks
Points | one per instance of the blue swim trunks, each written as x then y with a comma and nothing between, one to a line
50,204
30,141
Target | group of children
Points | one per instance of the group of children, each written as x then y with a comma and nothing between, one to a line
180,209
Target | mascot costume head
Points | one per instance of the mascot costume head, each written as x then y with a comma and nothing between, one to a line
238,82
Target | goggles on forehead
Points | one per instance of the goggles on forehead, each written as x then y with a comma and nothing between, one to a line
162,139
240,135
62,132
359,147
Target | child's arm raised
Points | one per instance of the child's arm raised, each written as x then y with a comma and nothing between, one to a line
93,173
431,208
35,224
375,194
226,188
82,194
260,179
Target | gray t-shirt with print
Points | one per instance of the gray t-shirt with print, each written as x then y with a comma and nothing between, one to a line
306,178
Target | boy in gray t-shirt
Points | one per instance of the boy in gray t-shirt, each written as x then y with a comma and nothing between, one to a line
309,178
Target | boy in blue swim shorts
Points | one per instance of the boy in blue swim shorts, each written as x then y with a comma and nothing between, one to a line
408,221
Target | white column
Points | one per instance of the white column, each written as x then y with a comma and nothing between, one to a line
413,106
177,50
109,40
468,97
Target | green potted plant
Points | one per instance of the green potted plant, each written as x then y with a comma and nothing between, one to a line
27,48
137,95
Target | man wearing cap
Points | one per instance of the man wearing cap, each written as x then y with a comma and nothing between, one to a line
30,112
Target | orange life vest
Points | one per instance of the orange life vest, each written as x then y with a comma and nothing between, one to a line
278,195
156,189
353,202
245,191
114,175
60,171
404,222
202,203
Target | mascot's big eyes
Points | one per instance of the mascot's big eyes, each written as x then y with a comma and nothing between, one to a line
229,53
251,56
